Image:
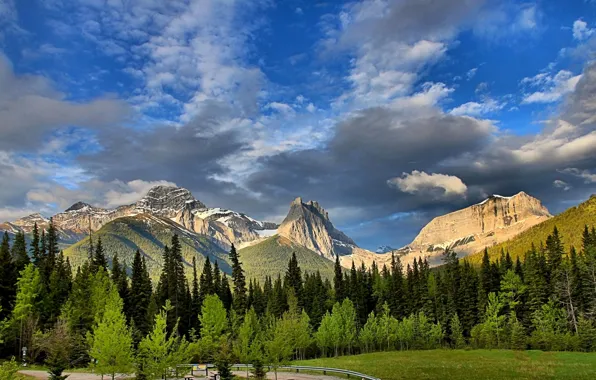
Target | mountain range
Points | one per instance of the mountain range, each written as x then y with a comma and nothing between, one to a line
265,247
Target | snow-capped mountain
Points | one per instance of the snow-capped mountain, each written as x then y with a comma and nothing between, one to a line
225,227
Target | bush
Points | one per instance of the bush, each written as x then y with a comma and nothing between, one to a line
8,370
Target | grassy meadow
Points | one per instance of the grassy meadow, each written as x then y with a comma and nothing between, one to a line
467,364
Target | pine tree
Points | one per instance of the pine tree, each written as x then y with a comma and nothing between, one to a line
140,297
111,341
19,252
59,289
338,281
8,278
226,294
239,281
99,259
396,294
206,283
160,351
293,278
195,299
34,249
217,285
120,280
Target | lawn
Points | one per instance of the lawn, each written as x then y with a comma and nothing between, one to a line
464,364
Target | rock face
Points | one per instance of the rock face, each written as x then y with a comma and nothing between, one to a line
308,224
224,227
469,230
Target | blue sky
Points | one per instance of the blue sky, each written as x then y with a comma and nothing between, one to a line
386,112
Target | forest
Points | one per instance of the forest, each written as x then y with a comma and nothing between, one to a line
110,316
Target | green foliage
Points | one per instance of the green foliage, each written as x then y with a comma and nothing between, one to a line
457,335
271,256
8,370
111,339
160,351
149,235
58,345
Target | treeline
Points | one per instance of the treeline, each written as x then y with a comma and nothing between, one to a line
110,314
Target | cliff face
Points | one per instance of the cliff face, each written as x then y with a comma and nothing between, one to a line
484,224
308,224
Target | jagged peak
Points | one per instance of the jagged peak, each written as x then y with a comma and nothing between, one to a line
78,206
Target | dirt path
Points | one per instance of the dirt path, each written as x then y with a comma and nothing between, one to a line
42,375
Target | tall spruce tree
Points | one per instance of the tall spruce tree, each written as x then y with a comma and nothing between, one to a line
34,248
293,278
195,298
19,252
120,280
338,281
140,297
239,281
8,278
99,258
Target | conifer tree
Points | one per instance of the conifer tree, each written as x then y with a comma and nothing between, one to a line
120,280
140,297
239,281
206,283
111,341
217,285
293,278
195,299
338,281
226,294
34,248
396,296
19,252
99,258
8,278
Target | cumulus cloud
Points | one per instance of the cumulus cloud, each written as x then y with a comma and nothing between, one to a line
421,182
581,31
478,109
551,87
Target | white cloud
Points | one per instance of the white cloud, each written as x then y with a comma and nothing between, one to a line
421,182
586,175
282,108
299,11
471,73
561,185
581,31
477,109
551,88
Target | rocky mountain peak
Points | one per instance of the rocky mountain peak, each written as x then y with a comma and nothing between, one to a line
168,201
308,224
78,206
496,219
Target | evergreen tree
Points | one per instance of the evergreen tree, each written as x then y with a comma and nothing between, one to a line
34,248
19,252
338,281
120,280
99,258
160,351
226,293
140,297
111,341
293,278
8,278
217,285
195,299
206,282
396,296
239,281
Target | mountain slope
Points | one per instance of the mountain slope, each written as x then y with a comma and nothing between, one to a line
308,224
271,256
570,224
225,227
469,230
149,234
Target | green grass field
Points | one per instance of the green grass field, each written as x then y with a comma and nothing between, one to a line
463,364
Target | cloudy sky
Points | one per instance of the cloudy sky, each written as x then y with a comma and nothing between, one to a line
386,112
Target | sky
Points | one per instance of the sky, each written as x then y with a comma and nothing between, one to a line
388,113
